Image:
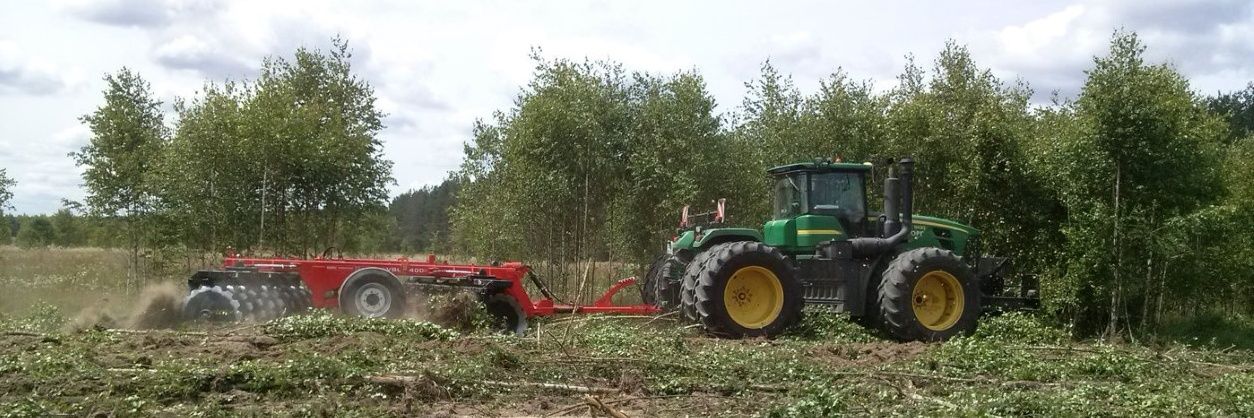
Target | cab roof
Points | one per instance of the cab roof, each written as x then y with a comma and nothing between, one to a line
821,166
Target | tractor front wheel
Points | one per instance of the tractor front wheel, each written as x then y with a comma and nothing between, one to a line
928,294
746,289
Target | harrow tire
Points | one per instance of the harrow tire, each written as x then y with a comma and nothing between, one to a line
373,295
747,289
212,304
507,314
928,294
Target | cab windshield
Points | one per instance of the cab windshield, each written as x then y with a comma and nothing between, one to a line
838,194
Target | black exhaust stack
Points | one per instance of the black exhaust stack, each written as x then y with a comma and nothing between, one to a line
892,221
898,209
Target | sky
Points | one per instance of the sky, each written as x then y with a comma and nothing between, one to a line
437,66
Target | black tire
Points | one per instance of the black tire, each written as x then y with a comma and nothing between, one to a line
911,311
670,276
507,315
211,304
765,296
373,295
688,286
648,289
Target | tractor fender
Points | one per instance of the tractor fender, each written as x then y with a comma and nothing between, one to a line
716,236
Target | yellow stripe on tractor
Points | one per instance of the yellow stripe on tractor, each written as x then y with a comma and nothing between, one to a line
817,232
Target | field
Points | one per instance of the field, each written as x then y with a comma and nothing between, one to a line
64,351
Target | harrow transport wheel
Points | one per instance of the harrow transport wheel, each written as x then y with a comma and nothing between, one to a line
373,295
212,304
507,315
928,294
747,289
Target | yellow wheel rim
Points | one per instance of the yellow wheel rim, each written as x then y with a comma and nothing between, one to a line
937,300
754,297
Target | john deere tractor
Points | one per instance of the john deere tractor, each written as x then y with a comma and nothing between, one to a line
916,278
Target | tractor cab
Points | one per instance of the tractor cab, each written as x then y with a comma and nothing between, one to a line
815,202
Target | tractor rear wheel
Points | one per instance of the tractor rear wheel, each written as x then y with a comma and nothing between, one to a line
928,294
687,292
746,289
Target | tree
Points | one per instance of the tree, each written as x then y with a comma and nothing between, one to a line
128,132
70,228
36,231
422,217
767,132
591,163
324,173
968,131
6,190
1136,150
1238,108
290,163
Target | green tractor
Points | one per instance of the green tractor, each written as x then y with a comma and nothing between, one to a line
917,278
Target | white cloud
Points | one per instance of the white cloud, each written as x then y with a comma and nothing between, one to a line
22,74
1200,38
438,66
139,13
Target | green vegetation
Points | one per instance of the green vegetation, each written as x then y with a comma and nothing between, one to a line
289,162
1016,365
6,192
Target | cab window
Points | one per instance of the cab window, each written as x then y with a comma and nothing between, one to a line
790,196
838,194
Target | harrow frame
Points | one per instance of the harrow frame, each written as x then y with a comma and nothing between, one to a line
324,279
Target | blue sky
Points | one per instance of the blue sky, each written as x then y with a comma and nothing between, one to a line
438,66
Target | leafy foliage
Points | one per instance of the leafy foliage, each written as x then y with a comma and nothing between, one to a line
1105,160
290,162
321,324
6,190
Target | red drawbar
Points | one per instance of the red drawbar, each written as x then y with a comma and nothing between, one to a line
324,277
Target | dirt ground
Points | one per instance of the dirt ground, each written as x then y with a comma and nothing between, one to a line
121,354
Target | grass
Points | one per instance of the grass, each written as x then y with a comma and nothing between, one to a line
1210,330
69,278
